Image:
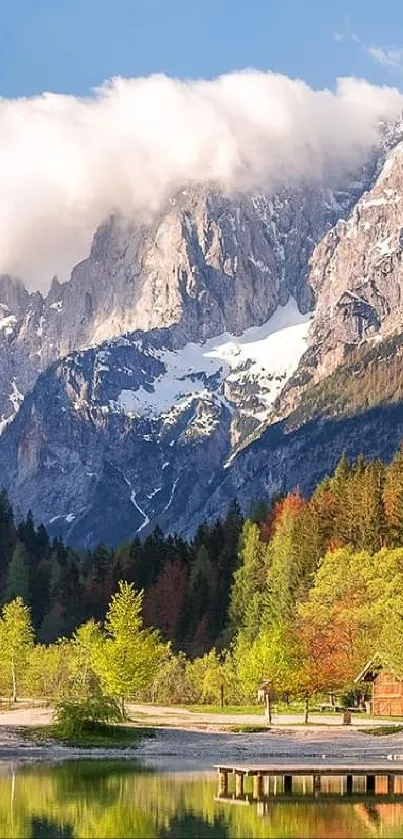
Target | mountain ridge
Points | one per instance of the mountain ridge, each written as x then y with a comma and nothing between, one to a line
157,422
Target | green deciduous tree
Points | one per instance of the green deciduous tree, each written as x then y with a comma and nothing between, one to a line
16,640
86,652
48,671
130,654
270,657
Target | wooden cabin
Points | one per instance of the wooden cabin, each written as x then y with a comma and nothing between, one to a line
386,688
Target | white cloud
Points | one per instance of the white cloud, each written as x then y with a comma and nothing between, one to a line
66,162
390,57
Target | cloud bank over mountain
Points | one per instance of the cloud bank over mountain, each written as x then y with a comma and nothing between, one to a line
65,163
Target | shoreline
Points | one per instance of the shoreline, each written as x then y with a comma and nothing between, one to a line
189,741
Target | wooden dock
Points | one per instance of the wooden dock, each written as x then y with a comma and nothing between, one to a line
261,773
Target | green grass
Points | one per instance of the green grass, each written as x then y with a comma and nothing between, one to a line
247,729
382,730
227,709
96,736
365,716
258,710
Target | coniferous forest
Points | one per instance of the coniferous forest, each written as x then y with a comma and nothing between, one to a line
302,592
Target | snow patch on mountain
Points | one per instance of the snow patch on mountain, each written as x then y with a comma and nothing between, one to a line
268,354
7,324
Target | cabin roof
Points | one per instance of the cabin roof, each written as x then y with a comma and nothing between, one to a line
371,669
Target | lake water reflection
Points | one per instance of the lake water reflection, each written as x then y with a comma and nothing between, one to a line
121,799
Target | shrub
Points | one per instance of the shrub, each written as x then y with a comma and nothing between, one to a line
75,717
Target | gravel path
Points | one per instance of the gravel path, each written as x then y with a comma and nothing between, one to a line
183,717
189,741
189,749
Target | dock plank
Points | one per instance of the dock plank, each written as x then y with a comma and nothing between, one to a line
335,769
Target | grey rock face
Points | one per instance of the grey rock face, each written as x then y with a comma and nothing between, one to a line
93,473
210,263
282,460
356,275
91,468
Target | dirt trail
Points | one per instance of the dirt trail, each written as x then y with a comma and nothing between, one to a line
185,718
196,741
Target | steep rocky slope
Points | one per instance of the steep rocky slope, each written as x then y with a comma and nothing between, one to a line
209,264
356,274
173,344
117,438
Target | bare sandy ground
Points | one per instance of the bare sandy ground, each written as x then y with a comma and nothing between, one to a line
183,749
188,741
182,717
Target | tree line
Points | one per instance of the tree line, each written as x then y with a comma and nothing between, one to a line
186,584
300,594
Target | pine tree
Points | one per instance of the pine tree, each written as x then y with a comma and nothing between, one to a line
199,588
7,533
250,578
393,499
344,530
370,523
165,600
288,565
17,580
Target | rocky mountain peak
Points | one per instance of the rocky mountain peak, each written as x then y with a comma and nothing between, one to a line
209,263
356,275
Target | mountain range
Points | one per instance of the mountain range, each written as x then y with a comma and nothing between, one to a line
234,346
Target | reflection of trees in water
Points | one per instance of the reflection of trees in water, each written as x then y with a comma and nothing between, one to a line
194,827
109,799
47,829
369,816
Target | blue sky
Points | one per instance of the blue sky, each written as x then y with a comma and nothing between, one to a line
73,45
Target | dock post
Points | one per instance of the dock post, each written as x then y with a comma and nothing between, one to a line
370,784
349,784
238,784
257,786
222,783
316,785
391,784
288,784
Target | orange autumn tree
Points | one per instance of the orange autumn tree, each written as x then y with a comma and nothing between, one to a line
338,630
315,654
165,599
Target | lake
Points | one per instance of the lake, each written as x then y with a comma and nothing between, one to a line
116,799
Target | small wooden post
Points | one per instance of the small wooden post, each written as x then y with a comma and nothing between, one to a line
238,784
222,783
288,784
267,702
391,784
306,713
316,785
257,786
370,784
